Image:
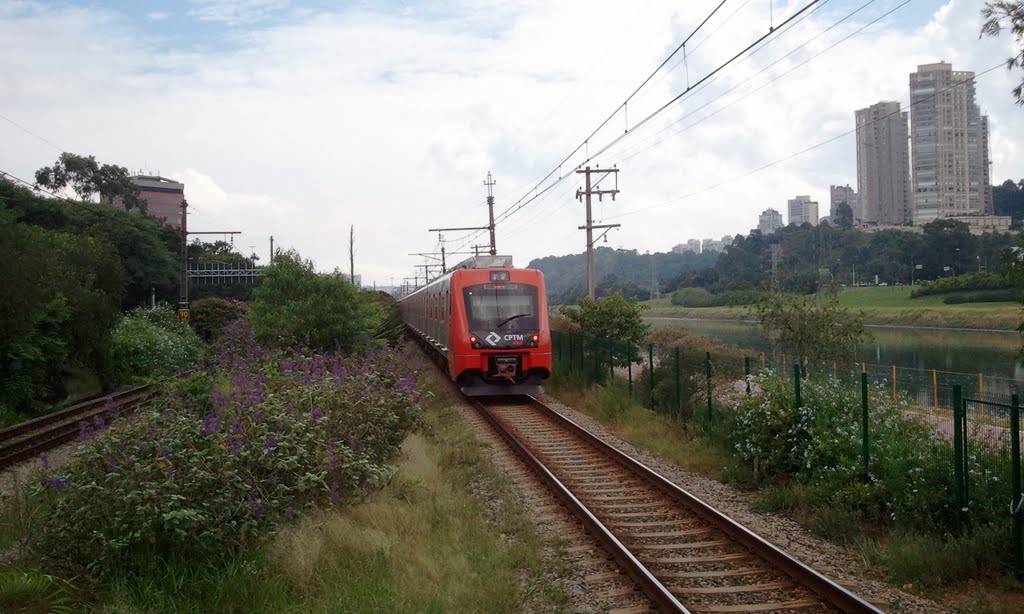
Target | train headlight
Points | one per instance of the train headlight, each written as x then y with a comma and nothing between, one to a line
474,341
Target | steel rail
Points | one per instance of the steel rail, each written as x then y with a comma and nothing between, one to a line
827,589
651,586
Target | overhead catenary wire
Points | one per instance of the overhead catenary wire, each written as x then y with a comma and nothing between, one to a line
27,131
537,191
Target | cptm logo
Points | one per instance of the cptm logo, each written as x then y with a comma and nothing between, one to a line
493,338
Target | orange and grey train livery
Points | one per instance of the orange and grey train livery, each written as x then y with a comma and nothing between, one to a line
487,325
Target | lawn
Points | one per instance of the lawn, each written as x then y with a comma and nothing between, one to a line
881,305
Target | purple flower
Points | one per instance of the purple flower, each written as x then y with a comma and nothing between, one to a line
335,496
83,431
289,514
45,460
211,425
271,443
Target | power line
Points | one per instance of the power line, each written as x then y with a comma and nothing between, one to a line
910,104
767,83
526,199
23,128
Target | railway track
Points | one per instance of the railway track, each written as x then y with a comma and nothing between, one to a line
29,439
682,553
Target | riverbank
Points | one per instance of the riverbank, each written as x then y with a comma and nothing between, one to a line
885,306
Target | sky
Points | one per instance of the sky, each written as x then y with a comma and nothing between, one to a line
299,120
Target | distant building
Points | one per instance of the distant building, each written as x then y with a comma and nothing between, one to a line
692,245
949,143
769,221
839,195
803,210
712,245
883,166
163,198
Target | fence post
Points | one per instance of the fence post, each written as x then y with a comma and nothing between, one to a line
650,370
707,371
935,388
630,348
746,372
796,383
764,363
864,421
893,381
1015,493
611,359
958,458
679,384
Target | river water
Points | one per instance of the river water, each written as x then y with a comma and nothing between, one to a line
956,354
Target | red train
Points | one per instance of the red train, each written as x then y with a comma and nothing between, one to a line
487,324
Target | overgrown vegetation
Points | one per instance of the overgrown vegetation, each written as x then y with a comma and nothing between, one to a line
153,343
295,305
969,281
811,329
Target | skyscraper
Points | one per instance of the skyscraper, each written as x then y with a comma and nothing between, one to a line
803,210
949,142
769,221
883,165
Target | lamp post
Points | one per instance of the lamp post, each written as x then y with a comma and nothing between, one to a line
956,260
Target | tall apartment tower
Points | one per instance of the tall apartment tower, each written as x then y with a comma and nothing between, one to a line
803,210
883,166
949,142
769,221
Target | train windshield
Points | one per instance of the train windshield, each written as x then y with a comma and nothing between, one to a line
501,307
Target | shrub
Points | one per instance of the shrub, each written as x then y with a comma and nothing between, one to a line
988,296
196,478
209,316
153,343
819,445
699,297
969,281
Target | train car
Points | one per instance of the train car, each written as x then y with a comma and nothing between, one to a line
487,324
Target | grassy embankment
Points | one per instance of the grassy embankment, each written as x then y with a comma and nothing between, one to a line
425,543
881,305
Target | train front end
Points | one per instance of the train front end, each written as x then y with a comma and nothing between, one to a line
500,339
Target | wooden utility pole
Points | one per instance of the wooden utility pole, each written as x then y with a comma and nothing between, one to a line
592,190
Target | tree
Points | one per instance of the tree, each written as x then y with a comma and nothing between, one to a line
1013,12
811,330
844,216
323,311
86,177
611,317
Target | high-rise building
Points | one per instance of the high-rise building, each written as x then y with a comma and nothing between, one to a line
692,245
841,195
769,221
803,210
883,167
163,198
949,143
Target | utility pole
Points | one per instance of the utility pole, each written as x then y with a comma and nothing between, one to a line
352,253
591,190
490,211
490,183
271,249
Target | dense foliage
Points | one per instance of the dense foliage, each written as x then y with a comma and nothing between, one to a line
296,305
970,281
618,270
209,470
611,317
813,329
59,302
210,316
150,343
699,297
86,177
820,445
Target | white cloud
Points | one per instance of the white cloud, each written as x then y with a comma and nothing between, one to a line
389,122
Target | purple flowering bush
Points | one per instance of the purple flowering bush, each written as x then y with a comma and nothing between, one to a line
198,476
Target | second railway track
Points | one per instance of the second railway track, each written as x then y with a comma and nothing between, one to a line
29,439
685,555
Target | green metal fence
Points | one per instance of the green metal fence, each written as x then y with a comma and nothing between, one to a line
683,382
